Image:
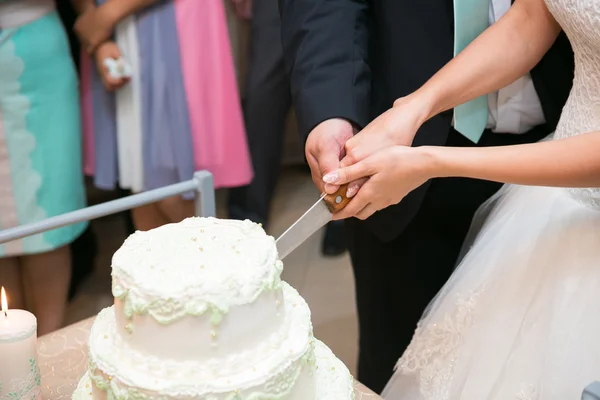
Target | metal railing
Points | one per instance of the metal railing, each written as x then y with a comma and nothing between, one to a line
204,205
592,392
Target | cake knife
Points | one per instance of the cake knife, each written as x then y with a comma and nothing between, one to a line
312,220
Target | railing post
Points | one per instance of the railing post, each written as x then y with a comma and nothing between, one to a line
204,202
592,392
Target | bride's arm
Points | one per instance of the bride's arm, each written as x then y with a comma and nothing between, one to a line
502,54
571,162
397,170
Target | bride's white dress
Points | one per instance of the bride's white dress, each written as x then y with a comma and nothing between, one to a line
520,317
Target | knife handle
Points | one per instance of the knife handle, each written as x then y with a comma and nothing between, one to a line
338,200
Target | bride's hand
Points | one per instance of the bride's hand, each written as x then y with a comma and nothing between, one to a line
392,173
396,126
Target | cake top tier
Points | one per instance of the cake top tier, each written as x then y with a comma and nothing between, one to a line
195,264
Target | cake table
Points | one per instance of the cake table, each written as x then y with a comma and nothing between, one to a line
63,361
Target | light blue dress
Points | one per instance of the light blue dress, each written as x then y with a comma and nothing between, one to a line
40,133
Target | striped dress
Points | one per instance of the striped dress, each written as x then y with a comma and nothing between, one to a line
40,134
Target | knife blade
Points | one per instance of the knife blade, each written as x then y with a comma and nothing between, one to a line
311,221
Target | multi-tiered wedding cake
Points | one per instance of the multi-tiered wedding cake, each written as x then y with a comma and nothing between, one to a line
201,313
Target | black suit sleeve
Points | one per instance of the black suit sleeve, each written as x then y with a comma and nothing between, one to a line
325,46
553,79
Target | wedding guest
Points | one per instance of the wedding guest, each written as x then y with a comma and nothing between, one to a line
177,112
85,248
40,156
350,61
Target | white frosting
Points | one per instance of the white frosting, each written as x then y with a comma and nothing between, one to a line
333,380
197,338
325,379
201,313
202,275
271,368
84,389
203,261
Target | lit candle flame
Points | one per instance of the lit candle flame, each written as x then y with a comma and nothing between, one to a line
4,302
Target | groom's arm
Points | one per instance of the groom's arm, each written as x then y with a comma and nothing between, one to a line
325,45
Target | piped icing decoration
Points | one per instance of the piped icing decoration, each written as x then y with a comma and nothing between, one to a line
222,263
332,379
218,269
84,389
113,355
269,371
278,388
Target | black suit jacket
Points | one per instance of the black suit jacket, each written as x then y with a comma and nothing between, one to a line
352,58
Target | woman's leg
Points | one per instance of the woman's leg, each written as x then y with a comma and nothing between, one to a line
173,209
176,208
46,279
148,217
10,278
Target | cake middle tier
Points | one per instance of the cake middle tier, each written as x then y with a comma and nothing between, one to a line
271,369
211,286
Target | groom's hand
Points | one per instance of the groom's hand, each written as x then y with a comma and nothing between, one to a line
325,149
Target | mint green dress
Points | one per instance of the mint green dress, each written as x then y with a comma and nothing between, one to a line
40,133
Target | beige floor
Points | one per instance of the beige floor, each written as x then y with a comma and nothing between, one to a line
326,283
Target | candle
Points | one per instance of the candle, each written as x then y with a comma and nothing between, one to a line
19,372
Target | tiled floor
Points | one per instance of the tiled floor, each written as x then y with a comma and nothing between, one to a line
326,283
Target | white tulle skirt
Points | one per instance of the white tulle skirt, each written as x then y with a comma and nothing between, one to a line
520,317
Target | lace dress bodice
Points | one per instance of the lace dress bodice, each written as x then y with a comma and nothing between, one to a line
580,19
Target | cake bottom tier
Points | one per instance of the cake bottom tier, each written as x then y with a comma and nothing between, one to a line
283,366
325,379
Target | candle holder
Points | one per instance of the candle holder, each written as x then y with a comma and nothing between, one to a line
20,377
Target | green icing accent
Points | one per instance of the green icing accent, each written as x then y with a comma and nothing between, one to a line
167,311
131,394
278,389
100,383
275,285
216,318
98,380
164,311
117,290
309,357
